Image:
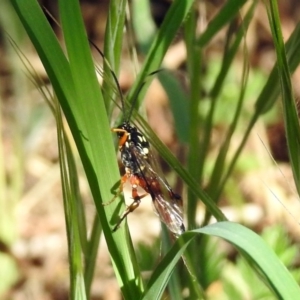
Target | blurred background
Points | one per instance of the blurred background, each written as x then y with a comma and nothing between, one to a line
260,194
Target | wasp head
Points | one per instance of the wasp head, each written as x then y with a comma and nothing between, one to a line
129,136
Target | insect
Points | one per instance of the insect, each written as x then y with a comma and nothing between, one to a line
140,171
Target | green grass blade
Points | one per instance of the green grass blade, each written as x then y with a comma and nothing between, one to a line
164,270
219,166
275,274
250,245
91,254
113,44
269,94
226,14
174,287
230,52
100,139
290,114
143,23
194,64
77,90
68,172
74,211
178,103
271,91
172,21
114,33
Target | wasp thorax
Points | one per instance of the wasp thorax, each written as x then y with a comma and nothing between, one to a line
126,127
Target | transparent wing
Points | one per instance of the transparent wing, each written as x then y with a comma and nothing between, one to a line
170,214
167,204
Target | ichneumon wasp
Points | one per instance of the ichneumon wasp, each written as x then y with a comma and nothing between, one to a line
140,171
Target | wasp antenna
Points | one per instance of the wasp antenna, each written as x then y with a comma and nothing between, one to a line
134,101
137,94
155,72
112,73
48,13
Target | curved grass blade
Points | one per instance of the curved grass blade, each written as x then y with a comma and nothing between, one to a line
250,245
257,252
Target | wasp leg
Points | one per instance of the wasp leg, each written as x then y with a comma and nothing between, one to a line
128,210
119,192
133,206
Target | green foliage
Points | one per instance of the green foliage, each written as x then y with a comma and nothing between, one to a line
87,112
249,285
290,113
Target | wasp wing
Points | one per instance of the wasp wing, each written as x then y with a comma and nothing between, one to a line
167,204
170,214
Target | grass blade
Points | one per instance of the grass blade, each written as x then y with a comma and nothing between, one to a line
68,173
113,44
172,21
275,274
100,140
84,109
290,114
226,14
